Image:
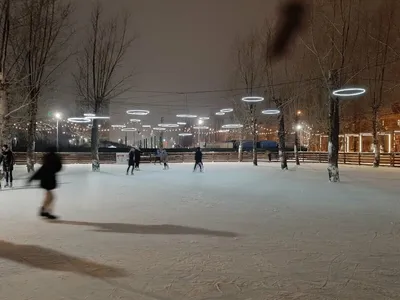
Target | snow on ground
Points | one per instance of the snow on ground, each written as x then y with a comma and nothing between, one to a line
234,232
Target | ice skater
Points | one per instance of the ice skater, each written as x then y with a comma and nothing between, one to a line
8,165
164,158
198,157
138,153
47,175
131,161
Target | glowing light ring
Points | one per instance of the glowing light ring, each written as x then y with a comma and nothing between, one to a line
185,134
98,118
159,128
232,126
138,112
79,120
89,115
181,123
200,127
252,99
168,125
129,129
146,126
118,126
220,113
226,110
204,118
186,116
135,120
271,112
349,92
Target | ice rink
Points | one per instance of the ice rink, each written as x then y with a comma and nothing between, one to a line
233,232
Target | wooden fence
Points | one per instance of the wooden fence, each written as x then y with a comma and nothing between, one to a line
387,159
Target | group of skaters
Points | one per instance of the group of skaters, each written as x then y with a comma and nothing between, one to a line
161,156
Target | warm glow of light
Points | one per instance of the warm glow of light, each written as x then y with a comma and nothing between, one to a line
226,110
299,112
58,116
232,126
200,127
299,127
200,122
349,92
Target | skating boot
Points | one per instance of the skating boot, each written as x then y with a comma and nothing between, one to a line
51,216
6,185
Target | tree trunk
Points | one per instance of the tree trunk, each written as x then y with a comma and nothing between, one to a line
333,139
3,113
31,139
375,137
240,150
95,146
282,141
255,136
296,140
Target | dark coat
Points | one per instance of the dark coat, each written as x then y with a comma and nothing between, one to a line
47,173
8,160
137,155
198,157
131,160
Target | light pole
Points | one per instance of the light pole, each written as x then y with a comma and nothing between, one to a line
296,137
200,122
58,118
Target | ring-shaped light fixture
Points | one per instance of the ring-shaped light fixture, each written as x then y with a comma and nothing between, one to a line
200,127
98,118
185,134
252,99
135,120
226,110
146,126
186,116
204,118
79,120
349,92
138,112
220,113
118,126
159,128
168,125
89,115
232,126
181,123
129,129
271,112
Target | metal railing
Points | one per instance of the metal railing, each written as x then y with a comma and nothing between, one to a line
387,159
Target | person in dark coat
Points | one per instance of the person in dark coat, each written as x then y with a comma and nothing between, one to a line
198,157
131,161
138,153
47,176
8,165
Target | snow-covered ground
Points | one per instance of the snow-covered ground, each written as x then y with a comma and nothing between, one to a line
234,232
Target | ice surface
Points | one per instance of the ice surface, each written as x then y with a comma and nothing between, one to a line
234,232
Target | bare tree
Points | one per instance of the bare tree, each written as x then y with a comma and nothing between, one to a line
5,33
250,74
334,41
38,41
380,37
98,65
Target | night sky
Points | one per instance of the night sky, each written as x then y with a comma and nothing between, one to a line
182,46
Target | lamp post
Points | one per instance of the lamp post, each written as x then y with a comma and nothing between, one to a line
58,118
296,137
